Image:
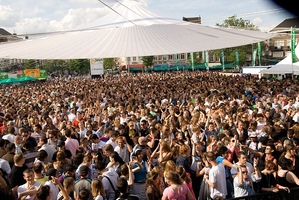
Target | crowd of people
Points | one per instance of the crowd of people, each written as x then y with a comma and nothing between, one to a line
192,135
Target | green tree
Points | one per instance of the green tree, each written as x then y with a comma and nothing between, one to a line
148,60
30,64
233,21
49,66
229,53
197,58
79,65
109,63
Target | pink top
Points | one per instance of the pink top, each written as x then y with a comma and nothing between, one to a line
231,150
72,145
189,185
170,194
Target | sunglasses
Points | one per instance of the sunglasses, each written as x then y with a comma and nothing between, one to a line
245,172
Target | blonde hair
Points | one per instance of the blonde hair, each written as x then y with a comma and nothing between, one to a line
169,166
60,159
174,177
184,149
97,188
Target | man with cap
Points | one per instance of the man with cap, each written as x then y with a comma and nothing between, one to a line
83,182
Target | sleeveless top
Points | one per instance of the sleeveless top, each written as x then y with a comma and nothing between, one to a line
283,181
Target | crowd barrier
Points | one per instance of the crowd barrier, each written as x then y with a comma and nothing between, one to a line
281,195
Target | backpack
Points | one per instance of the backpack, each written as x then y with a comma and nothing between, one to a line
116,192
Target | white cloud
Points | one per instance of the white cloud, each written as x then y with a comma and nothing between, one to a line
8,17
72,20
257,21
77,17
31,25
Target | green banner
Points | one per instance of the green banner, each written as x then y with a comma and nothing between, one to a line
176,61
254,56
237,59
43,73
222,58
259,47
207,60
293,44
3,75
192,60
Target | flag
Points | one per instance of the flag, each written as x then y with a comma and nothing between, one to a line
43,73
192,60
32,73
254,56
176,61
222,58
237,59
293,43
207,60
259,47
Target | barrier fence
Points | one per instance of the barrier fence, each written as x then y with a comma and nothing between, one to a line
281,195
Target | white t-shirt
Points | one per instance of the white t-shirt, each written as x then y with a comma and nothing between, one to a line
247,187
111,142
9,137
217,176
23,188
4,165
96,146
54,189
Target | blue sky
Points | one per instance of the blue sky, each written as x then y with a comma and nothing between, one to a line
33,16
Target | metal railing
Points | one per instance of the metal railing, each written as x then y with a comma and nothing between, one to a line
281,195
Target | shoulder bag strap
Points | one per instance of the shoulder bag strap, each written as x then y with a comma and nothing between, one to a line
110,183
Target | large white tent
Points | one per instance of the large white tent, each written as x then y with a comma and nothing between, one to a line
285,66
133,30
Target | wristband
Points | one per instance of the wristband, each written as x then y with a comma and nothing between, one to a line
277,186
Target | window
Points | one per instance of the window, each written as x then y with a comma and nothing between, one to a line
134,58
170,57
164,57
182,56
278,44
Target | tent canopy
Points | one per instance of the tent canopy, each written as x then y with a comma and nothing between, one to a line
135,31
282,69
284,66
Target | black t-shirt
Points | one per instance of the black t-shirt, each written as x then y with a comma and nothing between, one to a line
267,181
16,176
127,197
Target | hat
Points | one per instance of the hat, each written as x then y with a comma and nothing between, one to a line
60,143
51,172
83,171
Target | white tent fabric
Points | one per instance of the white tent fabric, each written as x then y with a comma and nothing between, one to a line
284,66
288,59
137,32
282,69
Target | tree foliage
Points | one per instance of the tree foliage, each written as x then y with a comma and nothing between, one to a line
229,53
79,65
148,60
109,63
30,64
235,22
